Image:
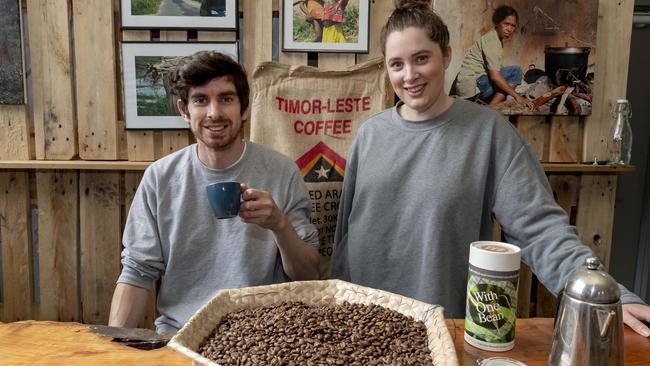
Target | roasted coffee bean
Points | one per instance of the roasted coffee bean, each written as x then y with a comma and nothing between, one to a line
293,333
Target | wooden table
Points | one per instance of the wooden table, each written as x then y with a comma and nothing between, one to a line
54,343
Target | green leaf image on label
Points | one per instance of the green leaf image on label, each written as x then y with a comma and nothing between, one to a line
491,309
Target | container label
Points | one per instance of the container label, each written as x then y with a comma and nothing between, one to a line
491,308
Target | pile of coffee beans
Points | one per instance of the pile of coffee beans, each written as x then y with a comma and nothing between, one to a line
293,333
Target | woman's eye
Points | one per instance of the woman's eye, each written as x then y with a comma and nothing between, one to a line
422,58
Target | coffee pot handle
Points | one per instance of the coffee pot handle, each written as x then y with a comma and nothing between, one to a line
605,323
557,308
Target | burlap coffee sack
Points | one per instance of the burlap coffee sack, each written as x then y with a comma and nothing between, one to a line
312,116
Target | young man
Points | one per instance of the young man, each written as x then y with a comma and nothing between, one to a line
481,76
171,231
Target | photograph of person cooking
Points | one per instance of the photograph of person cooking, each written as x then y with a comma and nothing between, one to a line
523,57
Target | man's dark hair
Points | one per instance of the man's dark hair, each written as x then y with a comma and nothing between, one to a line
502,12
201,67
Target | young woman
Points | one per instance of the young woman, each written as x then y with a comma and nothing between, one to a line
424,178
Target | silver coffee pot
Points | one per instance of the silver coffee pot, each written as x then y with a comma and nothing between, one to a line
589,322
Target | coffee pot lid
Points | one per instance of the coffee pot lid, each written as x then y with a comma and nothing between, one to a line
590,284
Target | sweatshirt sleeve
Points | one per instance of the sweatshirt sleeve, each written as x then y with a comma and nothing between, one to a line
299,209
142,258
526,209
340,264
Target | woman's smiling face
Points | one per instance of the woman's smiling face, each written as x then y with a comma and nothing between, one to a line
416,68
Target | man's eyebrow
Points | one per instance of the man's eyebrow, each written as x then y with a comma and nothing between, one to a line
197,94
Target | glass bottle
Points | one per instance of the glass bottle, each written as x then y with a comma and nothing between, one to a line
620,136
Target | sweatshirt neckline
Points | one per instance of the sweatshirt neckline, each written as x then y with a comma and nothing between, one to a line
424,125
242,157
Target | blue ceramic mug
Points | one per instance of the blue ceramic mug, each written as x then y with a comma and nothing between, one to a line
224,198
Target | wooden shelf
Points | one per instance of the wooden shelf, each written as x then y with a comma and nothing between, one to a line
142,165
586,168
75,164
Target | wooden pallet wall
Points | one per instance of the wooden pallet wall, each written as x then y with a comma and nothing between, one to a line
74,217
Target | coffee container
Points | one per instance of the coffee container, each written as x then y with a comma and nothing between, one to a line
491,308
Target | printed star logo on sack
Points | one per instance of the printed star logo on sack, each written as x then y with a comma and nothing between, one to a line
321,164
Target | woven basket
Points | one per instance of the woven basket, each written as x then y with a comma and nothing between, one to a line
201,324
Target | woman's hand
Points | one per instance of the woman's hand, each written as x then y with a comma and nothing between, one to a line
523,101
634,315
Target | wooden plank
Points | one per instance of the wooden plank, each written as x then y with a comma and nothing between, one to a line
133,35
58,244
546,304
131,183
257,32
536,131
610,83
123,150
523,291
587,168
288,58
258,38
208,36
335,61
52,96
379,13
173,140
173,36
95,79
73,164
565,191
122,144
497,234
566,139
142,165
15,236
99,210
158,144
595,216
140,143
74,344
14,133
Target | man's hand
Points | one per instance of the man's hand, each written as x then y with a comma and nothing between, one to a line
634,314
260,209
299,259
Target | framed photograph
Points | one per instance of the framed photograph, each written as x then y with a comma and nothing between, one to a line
148,103
325,25
11,54
203,14
545,54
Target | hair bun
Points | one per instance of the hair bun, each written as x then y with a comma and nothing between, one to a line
411,4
